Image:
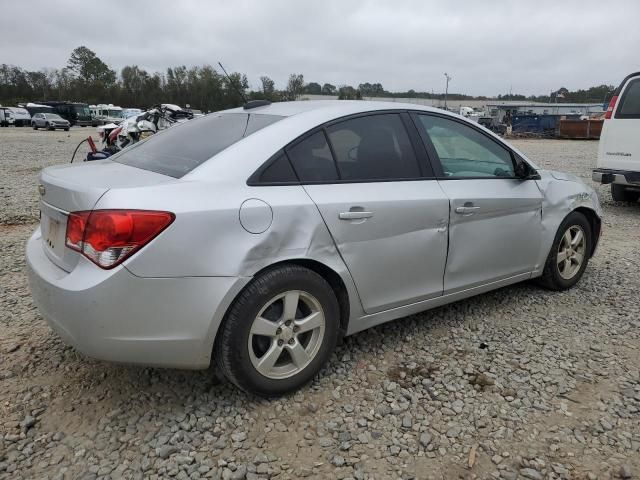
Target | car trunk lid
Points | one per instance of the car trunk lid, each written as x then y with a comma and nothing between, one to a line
78,187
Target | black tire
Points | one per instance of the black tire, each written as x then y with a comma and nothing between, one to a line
35,127
49,127
66,129
620,193
551,277
231,349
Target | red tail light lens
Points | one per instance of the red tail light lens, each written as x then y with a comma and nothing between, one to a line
612,105
108,237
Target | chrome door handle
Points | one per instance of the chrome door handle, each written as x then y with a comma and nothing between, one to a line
355,215
466,210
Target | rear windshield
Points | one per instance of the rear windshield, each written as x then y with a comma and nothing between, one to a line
630,102
179,149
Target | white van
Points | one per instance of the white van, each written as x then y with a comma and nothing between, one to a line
619,149
103,114
6,118
21,117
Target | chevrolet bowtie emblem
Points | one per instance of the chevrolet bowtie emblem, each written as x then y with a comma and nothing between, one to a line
42,190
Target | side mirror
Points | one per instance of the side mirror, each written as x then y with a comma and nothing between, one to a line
524,171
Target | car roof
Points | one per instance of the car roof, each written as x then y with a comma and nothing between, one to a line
337,107
300,117
623,83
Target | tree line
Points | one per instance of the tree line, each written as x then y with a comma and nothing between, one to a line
86,78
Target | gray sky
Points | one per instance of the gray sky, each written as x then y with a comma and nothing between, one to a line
487,46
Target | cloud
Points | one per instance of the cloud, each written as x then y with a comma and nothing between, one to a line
487,47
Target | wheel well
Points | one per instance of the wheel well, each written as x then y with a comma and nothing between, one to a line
594,222
334,280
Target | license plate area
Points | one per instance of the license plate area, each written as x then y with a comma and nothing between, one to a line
52,233
53,224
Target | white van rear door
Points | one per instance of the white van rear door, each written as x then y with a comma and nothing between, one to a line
619,147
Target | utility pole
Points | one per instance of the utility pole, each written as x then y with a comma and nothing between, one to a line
446,90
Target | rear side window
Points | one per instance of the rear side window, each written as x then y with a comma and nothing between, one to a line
630,102
374,147
179,149
312,160
277,172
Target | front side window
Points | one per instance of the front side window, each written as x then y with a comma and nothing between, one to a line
630,101
373,147
463,151
179,149
312,160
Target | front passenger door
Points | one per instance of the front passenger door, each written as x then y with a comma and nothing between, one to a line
495,218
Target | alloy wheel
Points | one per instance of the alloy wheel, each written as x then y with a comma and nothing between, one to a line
571,252
286,335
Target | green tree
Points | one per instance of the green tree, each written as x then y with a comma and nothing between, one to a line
88,68
133,84
295,87
347,92
328,89
313,88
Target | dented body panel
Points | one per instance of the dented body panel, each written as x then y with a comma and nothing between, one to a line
562,193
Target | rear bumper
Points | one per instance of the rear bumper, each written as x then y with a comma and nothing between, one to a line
620,177
116,316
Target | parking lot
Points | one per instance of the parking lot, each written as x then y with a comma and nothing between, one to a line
517,383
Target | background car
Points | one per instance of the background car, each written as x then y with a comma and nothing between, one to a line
50,121
619,148
21,117
259,236
6,117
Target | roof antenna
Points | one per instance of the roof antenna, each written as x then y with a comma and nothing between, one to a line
237,88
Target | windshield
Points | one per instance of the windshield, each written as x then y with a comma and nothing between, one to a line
82,110
52,116
115,113
180,149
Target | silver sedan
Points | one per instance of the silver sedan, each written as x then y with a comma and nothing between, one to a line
257,237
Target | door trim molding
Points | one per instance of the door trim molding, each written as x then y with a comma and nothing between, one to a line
368,321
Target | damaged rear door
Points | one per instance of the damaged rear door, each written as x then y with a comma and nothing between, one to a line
388,217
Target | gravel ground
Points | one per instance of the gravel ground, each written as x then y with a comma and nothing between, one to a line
519,383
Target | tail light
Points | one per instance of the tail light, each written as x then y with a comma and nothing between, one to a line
108,237
612,105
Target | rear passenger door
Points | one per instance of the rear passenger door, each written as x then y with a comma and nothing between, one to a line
383,207
495,222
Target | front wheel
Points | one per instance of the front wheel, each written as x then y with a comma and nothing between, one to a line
569,253
279,332
35,127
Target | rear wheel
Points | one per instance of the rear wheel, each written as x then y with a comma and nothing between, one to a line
279,332
35,127
620,193
569,253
